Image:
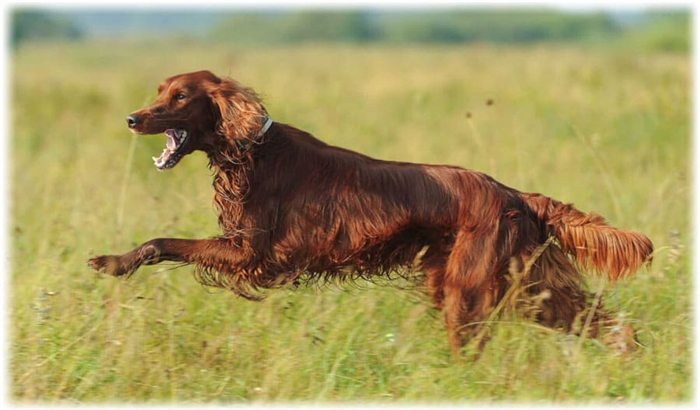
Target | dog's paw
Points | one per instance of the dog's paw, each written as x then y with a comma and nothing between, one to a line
108,264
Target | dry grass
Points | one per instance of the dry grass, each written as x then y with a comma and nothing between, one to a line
609,132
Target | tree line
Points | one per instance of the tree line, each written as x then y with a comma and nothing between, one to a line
669,31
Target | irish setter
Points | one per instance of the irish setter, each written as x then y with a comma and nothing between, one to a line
294,209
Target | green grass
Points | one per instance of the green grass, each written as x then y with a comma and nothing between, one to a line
606,131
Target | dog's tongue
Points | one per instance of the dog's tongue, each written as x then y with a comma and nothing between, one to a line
171,144
170,147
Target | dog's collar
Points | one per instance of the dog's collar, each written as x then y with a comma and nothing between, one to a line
267,122
244,144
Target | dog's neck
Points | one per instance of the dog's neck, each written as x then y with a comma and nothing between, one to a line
226,154
245,143
233,163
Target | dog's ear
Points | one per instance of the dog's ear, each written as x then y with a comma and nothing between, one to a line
239,109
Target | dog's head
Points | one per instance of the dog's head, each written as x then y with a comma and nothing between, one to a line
198,111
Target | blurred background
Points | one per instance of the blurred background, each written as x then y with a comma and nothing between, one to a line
651,29
588,105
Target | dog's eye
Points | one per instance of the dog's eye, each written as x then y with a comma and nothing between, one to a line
179,97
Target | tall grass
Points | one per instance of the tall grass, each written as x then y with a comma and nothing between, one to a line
608,132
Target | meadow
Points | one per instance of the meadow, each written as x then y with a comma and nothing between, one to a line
606,130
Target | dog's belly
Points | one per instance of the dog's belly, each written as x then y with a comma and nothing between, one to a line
337,251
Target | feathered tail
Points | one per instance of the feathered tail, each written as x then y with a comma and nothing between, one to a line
592,243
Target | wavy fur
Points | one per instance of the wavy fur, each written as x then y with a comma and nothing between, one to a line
590,240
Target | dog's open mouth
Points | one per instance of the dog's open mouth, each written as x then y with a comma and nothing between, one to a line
173,149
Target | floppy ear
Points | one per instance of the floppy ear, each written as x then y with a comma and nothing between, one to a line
240,110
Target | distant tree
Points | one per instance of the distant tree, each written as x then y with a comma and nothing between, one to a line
295,27
37,25
251,28
661,31
322,25
656,31
512,26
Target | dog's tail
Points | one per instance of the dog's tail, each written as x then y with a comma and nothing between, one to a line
592,243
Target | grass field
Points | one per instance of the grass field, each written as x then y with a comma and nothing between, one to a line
607,131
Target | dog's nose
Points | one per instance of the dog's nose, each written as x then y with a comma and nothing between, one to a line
132,120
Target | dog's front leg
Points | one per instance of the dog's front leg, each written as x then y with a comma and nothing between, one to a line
217,253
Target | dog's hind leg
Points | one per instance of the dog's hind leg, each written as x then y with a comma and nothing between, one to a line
470,288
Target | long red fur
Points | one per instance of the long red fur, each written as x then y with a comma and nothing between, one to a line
590,240
293,209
